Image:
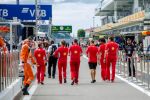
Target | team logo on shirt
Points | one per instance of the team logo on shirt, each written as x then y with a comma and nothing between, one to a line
39,55
113,48
75,52
65,54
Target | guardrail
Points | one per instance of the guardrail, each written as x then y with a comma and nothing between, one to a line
142,69
9,69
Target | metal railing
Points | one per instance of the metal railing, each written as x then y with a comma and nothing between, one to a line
142,69
9,65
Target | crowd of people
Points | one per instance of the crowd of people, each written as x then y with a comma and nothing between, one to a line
43,54
50,55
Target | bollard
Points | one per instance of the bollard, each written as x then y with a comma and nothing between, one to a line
2,78
141,70
136,69
119,64
144,77
121,67
9,67
128,67
6,70
124,64
148,71
131,67
0,72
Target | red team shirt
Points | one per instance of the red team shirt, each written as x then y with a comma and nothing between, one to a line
112,48
92,53
61,53
102,50
40,54
75,52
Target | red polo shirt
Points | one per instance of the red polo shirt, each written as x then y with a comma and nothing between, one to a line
75,52
112,49
61,53
92,53
101,50
40,54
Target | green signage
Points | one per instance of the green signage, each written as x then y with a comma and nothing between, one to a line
67,29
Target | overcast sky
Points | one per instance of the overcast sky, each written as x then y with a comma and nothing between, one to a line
78,13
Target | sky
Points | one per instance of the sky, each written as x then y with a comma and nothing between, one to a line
78,13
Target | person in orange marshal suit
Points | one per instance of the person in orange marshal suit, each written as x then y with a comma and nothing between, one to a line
3,45
26,57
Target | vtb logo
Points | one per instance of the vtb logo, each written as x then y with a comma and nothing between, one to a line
41,13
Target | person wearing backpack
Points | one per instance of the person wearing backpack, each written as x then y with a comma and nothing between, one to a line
52,62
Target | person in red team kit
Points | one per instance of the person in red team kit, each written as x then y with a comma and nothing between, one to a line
40,55
62,53
111,57
75,52
101,52
92,52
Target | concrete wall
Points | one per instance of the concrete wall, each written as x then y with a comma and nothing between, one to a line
10,92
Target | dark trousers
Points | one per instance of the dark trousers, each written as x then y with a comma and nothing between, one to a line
52,64
131,67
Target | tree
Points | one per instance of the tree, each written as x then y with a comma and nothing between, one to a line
81,33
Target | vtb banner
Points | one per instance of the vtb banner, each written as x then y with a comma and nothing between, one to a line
25,12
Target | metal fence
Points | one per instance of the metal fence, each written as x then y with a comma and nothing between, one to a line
8,68
142,68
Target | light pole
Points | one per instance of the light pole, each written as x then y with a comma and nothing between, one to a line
50,27
93,25
17,2
93,22
36,18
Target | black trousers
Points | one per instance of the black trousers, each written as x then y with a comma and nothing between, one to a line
52,64
131,67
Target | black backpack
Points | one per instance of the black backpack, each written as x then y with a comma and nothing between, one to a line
54,47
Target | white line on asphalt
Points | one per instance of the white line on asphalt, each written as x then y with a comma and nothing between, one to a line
31,91
130,83
134,85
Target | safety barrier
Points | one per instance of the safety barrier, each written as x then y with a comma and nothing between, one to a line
8,69
142,68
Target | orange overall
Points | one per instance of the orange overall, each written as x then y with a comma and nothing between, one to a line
4,51
26,55
3,45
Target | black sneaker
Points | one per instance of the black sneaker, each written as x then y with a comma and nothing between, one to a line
23,89
112,81
93,81
65,81
26,93
129,75
42,83
72,83
49,76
